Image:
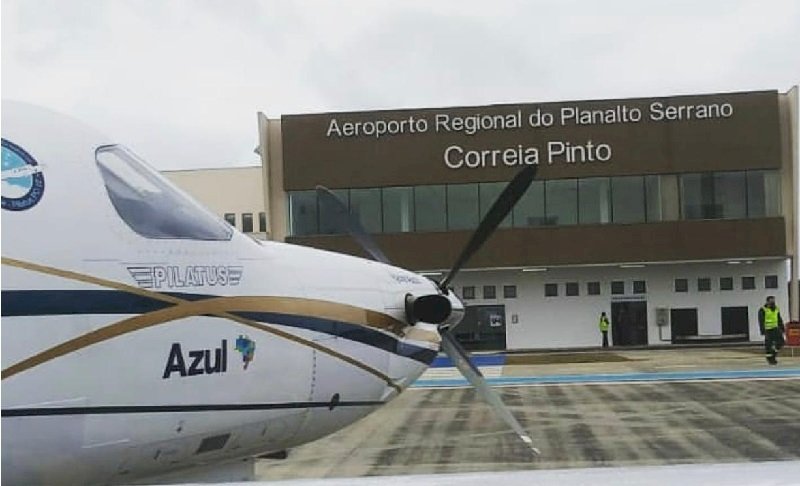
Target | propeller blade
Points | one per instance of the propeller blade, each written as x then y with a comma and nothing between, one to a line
460,357
497,213
347,221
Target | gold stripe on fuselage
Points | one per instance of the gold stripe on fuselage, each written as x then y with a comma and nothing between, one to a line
214,306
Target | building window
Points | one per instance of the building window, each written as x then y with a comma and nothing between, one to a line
726,283
509,291
617,287
303,213
771,282
627,199
713,195
366,205
230,218
593,288
704,284
748,283
489,292
398,209
329,220
488,193
763,194
594,201
462,206
652,190
639,287
681,285
551,290
468,292
430,208
572,289
561,201
262,222
529,210
247,222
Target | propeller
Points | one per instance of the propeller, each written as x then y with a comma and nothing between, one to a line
497,213
436,308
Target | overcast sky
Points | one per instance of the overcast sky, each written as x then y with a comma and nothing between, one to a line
180,82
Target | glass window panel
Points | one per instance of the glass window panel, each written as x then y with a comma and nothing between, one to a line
763,194
652,191
639,287
561,201
730,195
510,291
617,287
430,208
716,195
681,285
366,204
148,203
748,283
398,209
327,220
627,199
489,192
704,284
551,290
247,222
726,283
572,289
594,200
695,195
462,206
529,210
303,213
593,288
771,282
230,218
262,222
489,292
468,292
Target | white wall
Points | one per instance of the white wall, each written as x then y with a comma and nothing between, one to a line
562,322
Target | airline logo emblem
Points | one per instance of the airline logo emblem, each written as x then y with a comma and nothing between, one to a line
23,180
247,347
177,277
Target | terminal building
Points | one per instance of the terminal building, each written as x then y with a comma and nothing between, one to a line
674,215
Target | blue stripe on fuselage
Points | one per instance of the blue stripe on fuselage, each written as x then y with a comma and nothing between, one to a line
17,303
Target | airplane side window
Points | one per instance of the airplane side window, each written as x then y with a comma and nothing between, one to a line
149,204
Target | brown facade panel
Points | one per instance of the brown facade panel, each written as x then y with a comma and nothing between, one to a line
733,131
653,242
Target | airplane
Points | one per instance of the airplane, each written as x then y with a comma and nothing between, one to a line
144,336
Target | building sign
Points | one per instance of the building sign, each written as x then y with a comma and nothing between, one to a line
570,139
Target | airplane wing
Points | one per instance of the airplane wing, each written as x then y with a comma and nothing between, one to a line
752,474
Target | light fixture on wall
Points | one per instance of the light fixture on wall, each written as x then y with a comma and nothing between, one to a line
632,265
733,262
534,269
430,274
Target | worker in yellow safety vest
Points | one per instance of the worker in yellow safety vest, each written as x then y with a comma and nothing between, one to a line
771,324
604,328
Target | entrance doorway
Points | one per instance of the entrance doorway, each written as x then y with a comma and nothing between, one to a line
736,322
629,323
684,324
483,328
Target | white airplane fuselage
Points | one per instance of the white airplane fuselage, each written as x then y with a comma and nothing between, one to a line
128,351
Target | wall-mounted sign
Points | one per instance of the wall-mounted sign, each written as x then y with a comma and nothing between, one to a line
569,139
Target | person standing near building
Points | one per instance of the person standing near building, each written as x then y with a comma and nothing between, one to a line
604,328
771,324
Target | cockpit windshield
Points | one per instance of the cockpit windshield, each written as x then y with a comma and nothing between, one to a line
151,205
